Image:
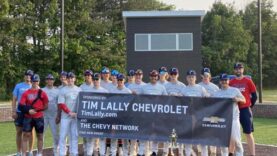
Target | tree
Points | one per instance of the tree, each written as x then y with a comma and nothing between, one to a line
225,40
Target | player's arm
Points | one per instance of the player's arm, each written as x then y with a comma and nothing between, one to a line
239,98
253,92
44,103
22,104
14,114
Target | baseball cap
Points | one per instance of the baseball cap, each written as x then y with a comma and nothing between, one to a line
35,78
120,76
105,70
223,76
162,70
238,65
131,72
174,70
29,72
49,77
96,76
70,75
191,72
138,72
154,73
88,72
63,73
205,70
114,72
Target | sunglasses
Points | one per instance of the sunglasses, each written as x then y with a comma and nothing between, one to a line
120,79
173,73
95,79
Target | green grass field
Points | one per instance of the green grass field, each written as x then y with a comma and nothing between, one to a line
265,133
270,95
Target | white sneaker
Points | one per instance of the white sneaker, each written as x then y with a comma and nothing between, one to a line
120,151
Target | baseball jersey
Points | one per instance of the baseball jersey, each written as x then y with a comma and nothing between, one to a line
98,90
124,90
29,96
210,87
163,83
61,86
18,90
68,96
136,87
175,89
230,92
246,86
86,87
195,90
53,94
154,89
107,85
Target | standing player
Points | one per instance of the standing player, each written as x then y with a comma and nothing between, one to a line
136,87
174,88
211,89
114,74
163,76
50,114
230,92
98,89
248,90
17,115
120,89
152,88
106,83
130,78
32,104
67,102
193,89
86,86
63,80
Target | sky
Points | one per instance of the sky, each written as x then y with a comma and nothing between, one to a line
207,4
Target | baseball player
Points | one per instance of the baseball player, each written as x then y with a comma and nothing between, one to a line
193,89
98,89
106,83
49,115
130,77
211,89
230,92
120,89
114,74
152,88
67,102
87,86
32,103
136,87
163,76
18,117
174,88
248,90
63,81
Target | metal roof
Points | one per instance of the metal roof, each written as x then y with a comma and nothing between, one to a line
149,14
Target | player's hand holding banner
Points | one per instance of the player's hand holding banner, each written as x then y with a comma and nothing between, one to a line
148,117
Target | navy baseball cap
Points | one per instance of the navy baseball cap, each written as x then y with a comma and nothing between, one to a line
131,72
29,72
63,73
105,70
49,77
154,73
120,77
223,76
191,72
162,70
206,70
114,72
88,72
70,75
174,71
238,65
96,76
35,78
138,72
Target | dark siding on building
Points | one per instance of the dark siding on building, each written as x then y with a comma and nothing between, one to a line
147,61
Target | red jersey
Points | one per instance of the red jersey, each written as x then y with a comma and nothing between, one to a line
29,96
246,87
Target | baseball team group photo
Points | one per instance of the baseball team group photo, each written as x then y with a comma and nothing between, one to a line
138,78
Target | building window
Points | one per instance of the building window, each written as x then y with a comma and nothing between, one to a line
164,42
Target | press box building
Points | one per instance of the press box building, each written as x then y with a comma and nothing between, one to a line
163,38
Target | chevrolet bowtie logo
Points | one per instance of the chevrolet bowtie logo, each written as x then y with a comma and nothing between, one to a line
213,119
